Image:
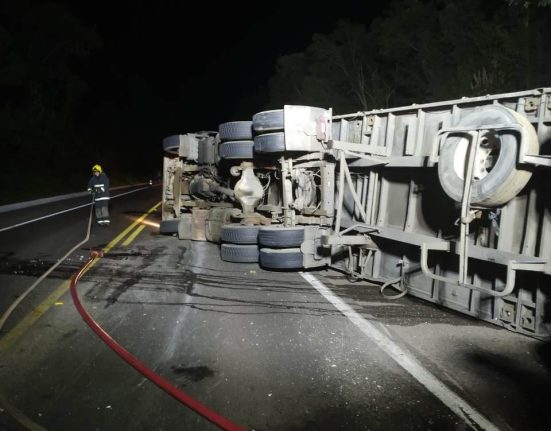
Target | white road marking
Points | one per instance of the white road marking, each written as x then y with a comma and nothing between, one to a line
453,401
64,211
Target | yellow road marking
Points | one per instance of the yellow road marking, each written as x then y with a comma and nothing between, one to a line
129,228
133,235
7,340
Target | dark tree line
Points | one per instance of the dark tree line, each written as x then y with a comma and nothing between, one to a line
54,123
65,102
420,51
42,48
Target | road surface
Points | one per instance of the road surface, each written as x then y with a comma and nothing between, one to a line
268,350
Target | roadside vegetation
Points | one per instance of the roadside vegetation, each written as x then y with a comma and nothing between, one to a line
54,126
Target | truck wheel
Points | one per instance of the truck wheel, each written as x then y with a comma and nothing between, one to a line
171,144
240,253
269,143
236,150
280,236
496,176
169,226
267,121
236,130
239,234
284,258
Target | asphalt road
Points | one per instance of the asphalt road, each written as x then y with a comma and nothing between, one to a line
268,350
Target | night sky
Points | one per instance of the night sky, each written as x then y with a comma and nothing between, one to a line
184,66
147,70
104,82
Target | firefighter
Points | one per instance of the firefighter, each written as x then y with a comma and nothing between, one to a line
99,187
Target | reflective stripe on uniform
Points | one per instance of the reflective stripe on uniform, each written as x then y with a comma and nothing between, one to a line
99,185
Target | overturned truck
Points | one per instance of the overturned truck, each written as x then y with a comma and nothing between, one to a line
447,201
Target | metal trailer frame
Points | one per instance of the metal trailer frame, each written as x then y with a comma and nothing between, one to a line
400,228
380,212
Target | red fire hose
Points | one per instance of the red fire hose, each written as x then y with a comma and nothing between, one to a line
162,383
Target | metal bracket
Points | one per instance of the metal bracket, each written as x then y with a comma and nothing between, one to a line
360,151
443,134
467,216
335,239
537,160
523,158
338,238
190,168
512,267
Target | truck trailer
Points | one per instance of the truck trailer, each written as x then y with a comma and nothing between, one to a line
448,201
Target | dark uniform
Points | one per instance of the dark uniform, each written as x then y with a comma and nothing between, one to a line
99,185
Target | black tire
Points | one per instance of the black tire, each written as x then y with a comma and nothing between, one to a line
269,143
504,181
286,258
171,144
168,227
236,130
239,234
268,121
279,236
236,150
239,253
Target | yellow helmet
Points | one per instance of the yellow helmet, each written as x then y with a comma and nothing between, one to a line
96,168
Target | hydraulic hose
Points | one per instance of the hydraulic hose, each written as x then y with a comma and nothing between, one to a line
162,383
14,305
397,283
19,416
13,411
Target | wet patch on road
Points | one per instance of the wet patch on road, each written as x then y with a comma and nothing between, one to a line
162,276
111,284
122,256
192,374
407,311
113,279
526,389
121,289
69,334
185,376
5,255
37,267
544,353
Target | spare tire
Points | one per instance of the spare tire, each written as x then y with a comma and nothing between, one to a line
496,177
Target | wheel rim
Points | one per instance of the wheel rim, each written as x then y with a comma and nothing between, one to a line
486,157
